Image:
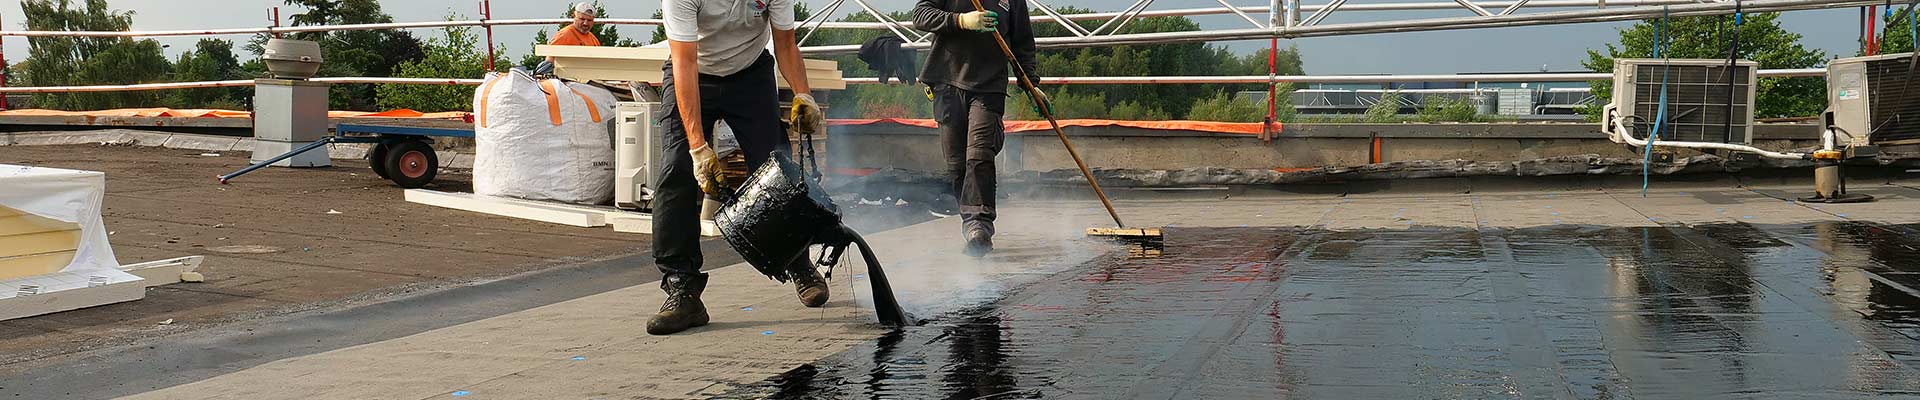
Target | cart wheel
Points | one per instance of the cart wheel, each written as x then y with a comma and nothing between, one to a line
378,160
411,164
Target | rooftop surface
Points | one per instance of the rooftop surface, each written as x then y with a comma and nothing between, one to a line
1549,288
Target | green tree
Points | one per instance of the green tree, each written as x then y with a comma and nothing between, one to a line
1067,104
210,60
68,61
1761,40
1223,107
1387,110
370,53
1446,109
1128,110
455,54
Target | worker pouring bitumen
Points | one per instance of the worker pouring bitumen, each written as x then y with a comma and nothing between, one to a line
719,70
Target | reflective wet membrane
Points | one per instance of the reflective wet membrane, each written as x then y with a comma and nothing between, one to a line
1827,310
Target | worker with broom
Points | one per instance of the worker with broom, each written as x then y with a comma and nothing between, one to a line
966,76
719,69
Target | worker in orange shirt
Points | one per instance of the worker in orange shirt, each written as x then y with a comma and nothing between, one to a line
579,33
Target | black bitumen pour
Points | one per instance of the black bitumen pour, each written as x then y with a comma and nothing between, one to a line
779,214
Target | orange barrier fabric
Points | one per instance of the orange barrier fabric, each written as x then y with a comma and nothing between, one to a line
197,113
1237,128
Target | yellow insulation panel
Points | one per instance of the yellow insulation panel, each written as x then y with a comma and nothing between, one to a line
33,245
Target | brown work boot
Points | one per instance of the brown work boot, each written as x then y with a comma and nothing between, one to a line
808,284
683,309
979,234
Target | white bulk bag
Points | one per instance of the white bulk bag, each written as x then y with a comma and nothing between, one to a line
542,140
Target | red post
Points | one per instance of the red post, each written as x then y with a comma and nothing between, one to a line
276,21
1873,32
486,14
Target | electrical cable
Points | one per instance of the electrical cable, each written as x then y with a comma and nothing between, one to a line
1660,118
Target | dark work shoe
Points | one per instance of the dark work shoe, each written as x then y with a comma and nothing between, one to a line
979,236
683,309
808,284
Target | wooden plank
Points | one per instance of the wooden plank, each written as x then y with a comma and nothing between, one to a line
634,64
507,208
162,272
34,264
37,243
14,306
26,224
643,224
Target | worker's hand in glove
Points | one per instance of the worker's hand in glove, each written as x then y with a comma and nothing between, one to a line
980,21
806,114
1042,105
707,170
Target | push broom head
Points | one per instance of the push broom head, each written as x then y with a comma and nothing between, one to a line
1141,242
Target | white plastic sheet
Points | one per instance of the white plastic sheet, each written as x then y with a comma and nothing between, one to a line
520,150
66,195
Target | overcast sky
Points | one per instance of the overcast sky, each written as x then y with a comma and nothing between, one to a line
1557,47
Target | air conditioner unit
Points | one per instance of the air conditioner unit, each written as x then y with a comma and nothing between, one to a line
636,147
1872,99
1697,99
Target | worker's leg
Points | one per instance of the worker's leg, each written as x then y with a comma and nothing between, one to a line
676,217
752,108
985,136
950,113
676,203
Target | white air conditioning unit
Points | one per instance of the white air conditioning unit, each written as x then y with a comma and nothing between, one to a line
636,147
1697,99
1871,100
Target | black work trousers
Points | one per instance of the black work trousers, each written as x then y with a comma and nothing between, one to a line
750,104
971,134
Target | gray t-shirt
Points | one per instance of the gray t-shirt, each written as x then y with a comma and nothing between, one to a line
731,33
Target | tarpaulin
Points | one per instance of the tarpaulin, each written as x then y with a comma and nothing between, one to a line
68,196
1238,128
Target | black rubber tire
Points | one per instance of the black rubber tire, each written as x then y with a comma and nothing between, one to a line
403,164
377,158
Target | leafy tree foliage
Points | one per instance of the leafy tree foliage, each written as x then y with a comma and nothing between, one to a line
210,60
455,54
372,53
69,61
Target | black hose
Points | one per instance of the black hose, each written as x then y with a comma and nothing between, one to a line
1733,53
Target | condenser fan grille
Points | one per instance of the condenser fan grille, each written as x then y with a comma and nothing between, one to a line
1895,103
1696,101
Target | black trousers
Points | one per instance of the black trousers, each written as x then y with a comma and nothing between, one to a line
749,102
971,134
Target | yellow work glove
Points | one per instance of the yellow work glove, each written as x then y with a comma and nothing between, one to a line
980,21
707,170
805,114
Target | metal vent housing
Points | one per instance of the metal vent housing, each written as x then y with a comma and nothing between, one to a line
1697,98
1875,98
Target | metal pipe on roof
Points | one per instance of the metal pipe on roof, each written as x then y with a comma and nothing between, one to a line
1067,80
1416,25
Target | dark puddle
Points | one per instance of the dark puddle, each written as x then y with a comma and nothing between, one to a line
1824,310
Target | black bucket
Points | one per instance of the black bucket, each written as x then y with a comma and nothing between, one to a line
779,214
776,215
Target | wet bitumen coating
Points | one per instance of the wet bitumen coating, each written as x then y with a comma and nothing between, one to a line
1821,310
133,369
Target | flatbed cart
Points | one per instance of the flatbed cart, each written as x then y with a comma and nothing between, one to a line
402,154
